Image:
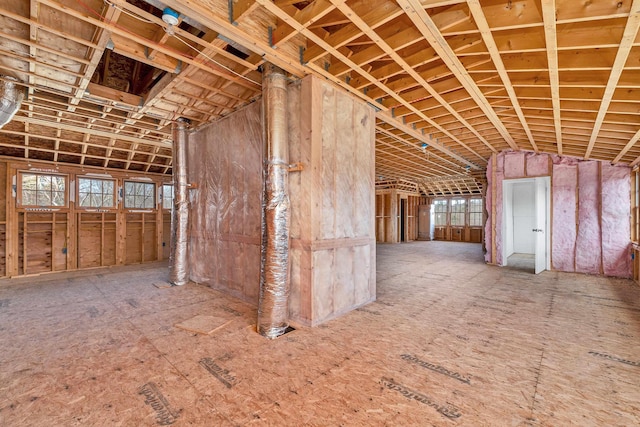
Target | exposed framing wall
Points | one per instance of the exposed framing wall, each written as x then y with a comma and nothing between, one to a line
590,211
39,240
389,215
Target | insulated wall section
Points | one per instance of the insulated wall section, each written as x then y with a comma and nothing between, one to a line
225,171
591,204
332,202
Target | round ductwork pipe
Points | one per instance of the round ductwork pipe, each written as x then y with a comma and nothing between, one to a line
11,96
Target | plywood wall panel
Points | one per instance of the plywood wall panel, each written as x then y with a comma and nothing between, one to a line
77,237
150,247
110,240
166,235
89,244
3,192
133,251
59,242
3,250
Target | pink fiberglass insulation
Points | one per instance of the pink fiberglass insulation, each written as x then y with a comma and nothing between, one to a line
488,226
537,164
588,247
564,185
616,206
514,164
498,227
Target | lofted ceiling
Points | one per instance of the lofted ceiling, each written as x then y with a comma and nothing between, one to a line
453,81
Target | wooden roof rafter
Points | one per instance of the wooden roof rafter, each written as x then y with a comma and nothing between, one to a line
427,27
364,27
628,38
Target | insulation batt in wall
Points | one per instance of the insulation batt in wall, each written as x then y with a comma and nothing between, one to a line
332,251
332,202
225,166
590,210
588,244
564,183
616,227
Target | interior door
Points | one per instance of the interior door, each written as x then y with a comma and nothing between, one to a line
540,226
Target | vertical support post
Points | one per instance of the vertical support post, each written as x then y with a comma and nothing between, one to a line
179,261
273,308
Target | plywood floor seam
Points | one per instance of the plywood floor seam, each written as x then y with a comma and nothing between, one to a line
450,341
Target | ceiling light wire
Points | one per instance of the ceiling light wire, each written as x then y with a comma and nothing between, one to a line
169,30
126,12
213,60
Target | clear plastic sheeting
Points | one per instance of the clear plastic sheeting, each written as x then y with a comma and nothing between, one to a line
10,99
225,168
179,263
273,307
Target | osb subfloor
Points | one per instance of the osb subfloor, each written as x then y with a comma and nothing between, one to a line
524,262
450,341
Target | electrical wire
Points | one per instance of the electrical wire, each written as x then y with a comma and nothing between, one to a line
126,12
214,61
169,30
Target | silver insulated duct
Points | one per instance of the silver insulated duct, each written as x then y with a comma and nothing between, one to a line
10,99
273,308
179,263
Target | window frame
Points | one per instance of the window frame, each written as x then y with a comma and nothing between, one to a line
20,189
481,211
163,185
438,202
458,213
115,193
153,198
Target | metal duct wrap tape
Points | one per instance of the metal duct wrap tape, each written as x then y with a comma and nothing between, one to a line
179,263
273,308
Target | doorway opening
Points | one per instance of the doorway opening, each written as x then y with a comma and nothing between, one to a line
525,224
403,219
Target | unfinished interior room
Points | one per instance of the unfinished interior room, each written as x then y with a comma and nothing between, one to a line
319,212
